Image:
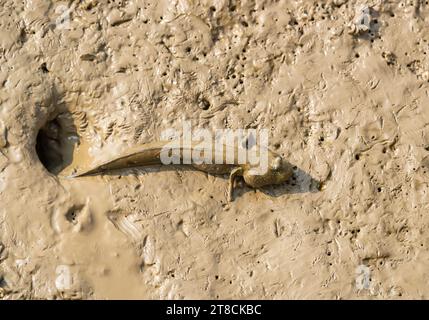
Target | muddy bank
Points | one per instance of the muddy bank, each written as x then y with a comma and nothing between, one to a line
342,87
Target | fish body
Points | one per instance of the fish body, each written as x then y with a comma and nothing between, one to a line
224,160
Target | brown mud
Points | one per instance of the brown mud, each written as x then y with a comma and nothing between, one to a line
343,92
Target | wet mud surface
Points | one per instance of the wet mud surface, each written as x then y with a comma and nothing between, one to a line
342,86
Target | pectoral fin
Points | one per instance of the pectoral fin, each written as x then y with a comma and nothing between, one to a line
234,173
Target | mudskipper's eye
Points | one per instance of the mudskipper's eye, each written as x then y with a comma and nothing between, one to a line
277,163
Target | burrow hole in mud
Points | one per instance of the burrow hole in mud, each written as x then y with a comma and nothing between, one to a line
73,214
56,141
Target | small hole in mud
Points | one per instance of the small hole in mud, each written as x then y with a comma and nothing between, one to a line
357,157
44,68
55,143
72,215
204,104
